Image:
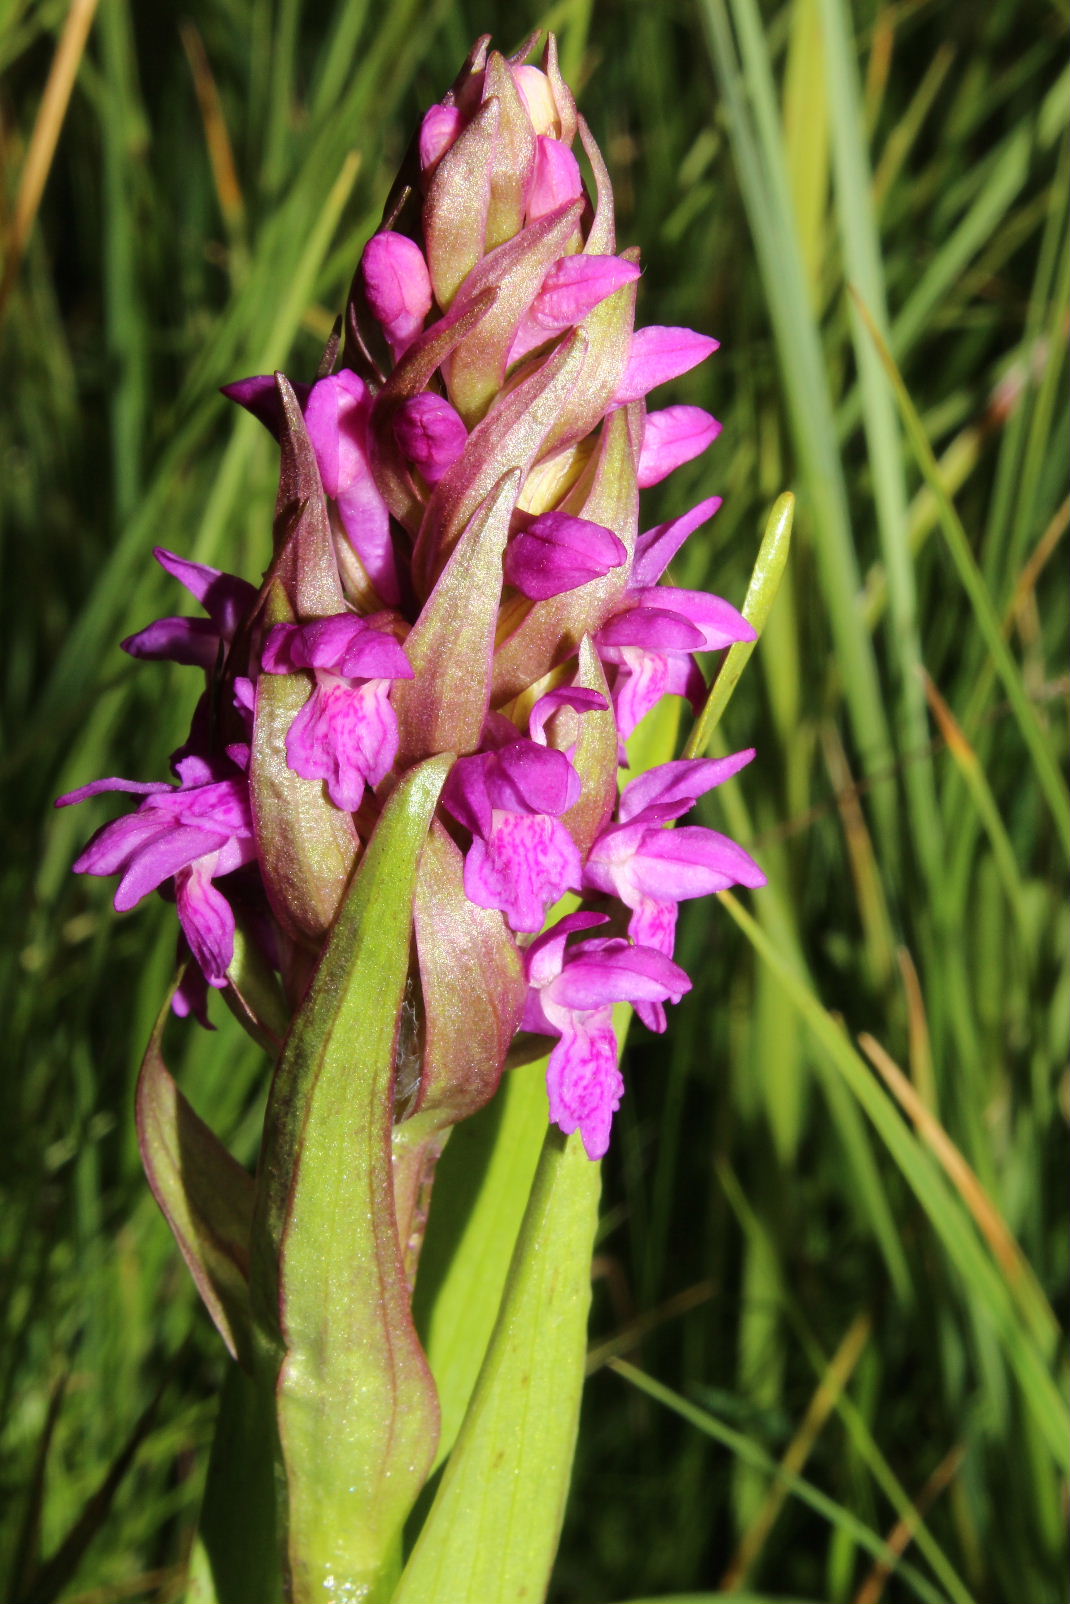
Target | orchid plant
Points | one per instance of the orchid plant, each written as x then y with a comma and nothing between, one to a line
400,848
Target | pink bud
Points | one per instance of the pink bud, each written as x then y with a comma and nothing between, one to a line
555,178
438,131
671,438
398,287
431,434
658,354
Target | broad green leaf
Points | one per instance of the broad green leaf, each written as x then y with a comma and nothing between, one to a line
205,1194
481,1190
357,1412
493,1528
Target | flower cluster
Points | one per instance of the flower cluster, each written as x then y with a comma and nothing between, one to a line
458,568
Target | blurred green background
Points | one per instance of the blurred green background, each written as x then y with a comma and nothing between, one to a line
822,1311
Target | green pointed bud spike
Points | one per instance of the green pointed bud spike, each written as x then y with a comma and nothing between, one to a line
563,96
493,1528
451,645
476,371
761,594
602,235
608,328
205,1194
472,992
514,154
303,546
458,201
512,436
306,846
357,1410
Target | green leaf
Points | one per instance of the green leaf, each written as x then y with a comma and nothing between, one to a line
357,1412
205,1194
493,1528
481,1190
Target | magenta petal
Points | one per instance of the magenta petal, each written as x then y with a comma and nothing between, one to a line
191,997
172,850
555,178
225,598
260,396
336,414
575,285
97,787
653,924
641,681
545,956
438,131
658,354
672,437
557,553
465,793
208,922
617,973
528,778
431,433
345,644
672,865
678,785
398,287
652,628
656,548
576,697
652,1015
720,623
193,642
583,1082
527,862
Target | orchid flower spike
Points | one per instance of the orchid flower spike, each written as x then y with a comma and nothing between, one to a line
457,567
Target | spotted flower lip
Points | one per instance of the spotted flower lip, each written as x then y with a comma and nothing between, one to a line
572,994
347,732
522,857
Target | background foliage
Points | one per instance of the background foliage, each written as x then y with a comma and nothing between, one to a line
805,1260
